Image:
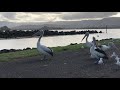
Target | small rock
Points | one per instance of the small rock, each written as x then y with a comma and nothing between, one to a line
65,63
45,65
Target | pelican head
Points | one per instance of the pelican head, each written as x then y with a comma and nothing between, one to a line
86,35
94,41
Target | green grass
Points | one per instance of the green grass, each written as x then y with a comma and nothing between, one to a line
116,41
33,52
69,47
19,54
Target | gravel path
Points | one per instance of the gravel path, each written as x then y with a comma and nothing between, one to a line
66,64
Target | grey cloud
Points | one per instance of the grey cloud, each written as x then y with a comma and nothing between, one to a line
9,15
38,13
12,15
62,15
83,15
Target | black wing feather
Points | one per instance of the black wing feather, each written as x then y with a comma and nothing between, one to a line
101,51
51,53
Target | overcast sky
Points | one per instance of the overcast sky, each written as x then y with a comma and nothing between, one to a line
54,16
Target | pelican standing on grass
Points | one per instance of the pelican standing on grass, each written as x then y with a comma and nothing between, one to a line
41,48
88,44
116,58
97,53
107,47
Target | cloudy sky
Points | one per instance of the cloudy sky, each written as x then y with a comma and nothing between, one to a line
54,16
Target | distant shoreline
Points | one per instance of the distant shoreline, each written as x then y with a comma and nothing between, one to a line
37,36
15,38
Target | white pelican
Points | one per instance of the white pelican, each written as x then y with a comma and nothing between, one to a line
97,53
106,47
100,61
118,61
88,44
116,58
114,55
41,48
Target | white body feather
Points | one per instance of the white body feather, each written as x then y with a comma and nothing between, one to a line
43,49
118,62
89,44
95,54
105,47
100,61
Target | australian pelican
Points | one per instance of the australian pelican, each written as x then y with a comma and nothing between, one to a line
116,58
97,53
41,48
107,47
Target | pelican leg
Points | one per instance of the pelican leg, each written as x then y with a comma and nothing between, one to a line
44,57
97,60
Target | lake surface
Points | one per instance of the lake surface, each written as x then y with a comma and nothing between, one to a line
53,41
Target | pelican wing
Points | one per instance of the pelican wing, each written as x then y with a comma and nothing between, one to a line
47,49
50,49
105,47
102,52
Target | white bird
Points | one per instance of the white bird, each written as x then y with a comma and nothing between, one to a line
88,44
106,47
96,52
41,48
100,61
118,61
116,58
113,55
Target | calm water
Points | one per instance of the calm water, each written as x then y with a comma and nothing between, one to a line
53,41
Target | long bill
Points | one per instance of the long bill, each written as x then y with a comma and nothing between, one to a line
83,38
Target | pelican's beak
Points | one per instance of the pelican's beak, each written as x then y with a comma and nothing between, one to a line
83,38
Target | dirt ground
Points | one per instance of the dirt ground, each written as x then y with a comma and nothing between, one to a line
66,64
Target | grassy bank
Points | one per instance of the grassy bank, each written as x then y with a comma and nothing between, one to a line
33,52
